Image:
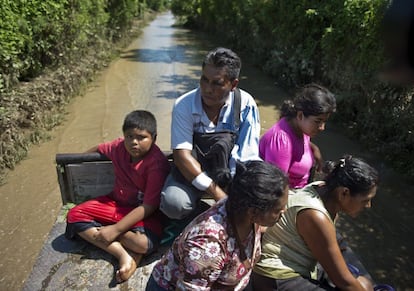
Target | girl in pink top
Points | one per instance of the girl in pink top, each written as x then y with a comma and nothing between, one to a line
287,144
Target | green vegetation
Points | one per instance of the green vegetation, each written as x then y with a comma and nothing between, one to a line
49,49
338,43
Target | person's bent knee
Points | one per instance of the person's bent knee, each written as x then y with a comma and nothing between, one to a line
173,208
176,203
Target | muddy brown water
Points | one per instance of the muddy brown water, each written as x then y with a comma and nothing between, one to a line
155,69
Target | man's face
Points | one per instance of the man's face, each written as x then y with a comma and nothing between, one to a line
215,86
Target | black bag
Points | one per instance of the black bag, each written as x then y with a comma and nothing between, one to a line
212,150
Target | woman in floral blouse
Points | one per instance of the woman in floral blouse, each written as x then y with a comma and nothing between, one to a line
217,250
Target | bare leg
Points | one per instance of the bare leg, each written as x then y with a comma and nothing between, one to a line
127,261
134,241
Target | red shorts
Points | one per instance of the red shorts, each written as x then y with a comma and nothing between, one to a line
106,211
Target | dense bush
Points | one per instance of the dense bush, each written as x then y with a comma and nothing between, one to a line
29,36
338,43
38,34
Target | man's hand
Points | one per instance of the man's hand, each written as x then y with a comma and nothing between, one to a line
216,192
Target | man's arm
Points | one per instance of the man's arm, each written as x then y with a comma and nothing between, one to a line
190,168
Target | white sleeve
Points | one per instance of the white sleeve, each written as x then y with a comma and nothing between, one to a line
182,123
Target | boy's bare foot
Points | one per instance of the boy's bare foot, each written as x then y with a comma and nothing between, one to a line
127,267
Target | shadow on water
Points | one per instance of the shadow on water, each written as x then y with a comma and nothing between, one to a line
182,84
167,55
176,55
148,55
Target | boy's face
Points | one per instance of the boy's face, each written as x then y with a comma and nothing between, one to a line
137,142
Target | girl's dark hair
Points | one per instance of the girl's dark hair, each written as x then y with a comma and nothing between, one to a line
224,58
312,99
256,184
350,172
142,120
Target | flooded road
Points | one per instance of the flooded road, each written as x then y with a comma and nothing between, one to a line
156,68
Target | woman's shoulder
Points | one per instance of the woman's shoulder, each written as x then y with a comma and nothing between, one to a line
306,196
212,222
277,133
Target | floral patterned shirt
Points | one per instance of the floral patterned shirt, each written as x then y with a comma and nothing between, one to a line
205,256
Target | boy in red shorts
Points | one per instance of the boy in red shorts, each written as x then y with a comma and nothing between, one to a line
126,222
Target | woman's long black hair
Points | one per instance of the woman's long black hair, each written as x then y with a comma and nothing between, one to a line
353,173
256,184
